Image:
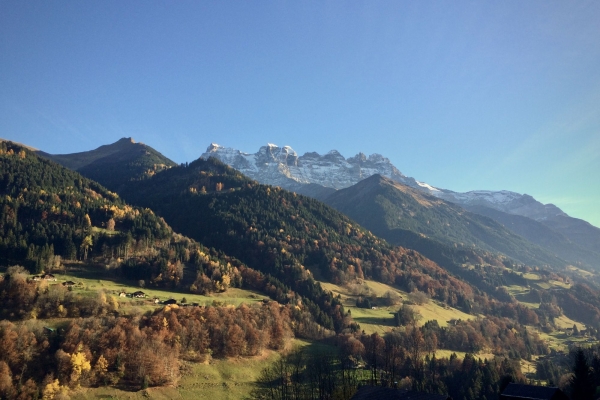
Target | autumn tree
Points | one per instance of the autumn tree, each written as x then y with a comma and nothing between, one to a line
79,366
87,221
86,244
7,389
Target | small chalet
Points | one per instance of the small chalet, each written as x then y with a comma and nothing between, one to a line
170,301
37,278
138,294
384,393
49,277
156,300
515,391
122,294
68,284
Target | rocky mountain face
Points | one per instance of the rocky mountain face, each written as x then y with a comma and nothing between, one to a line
281,166
311,174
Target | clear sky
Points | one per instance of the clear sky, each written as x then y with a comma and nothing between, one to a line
462,95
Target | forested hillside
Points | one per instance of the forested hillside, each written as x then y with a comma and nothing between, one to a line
49,214
115,165
290,236
395,212
298,239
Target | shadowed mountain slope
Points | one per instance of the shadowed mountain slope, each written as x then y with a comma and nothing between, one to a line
543,234
114,165
404,215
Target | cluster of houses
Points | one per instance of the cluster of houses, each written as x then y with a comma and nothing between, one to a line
45,277
141,295
135,295
52,278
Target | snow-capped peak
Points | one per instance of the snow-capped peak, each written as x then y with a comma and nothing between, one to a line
213,147
281,166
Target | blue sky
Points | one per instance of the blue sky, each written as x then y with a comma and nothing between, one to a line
462,95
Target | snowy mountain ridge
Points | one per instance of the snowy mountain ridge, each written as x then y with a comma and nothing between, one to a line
281,166
331,170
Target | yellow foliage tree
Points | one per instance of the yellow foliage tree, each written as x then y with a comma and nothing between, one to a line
226,281
85,246
113,304
62,311
79,365
101,369
52,390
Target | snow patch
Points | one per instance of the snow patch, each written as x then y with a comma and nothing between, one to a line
427,186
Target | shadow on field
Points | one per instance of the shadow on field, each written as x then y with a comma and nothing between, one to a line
375,321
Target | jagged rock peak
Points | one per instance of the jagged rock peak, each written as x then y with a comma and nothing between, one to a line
281,166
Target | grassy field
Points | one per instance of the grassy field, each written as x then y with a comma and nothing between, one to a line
580,272
381,319
89,283
557,339
228,379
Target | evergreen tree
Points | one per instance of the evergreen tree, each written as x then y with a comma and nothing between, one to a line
582,382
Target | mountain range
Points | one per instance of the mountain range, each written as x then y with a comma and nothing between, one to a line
320,176
281,166
409,217
203,227
509,223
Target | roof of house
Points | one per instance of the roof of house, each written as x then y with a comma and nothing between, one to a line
518,391
383,393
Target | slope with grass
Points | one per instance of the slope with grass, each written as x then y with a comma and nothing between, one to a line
380,318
